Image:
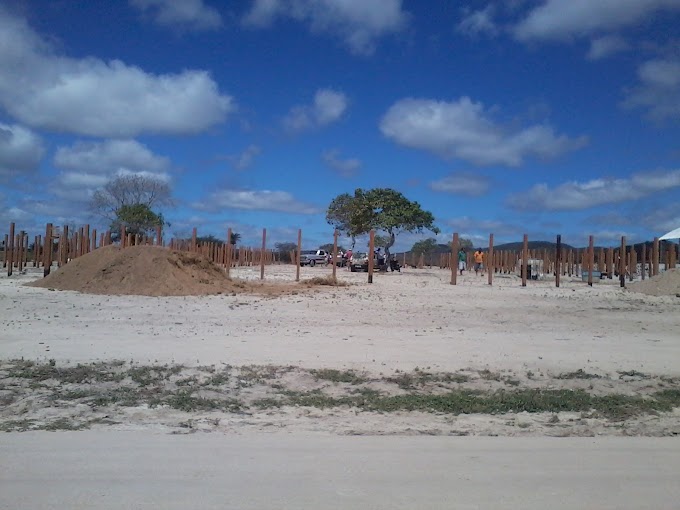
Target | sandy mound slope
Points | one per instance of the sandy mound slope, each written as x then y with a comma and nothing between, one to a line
146,271
664,284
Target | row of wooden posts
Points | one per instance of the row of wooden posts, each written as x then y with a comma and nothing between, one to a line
559,262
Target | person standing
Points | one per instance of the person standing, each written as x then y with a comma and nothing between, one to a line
462,258
479,261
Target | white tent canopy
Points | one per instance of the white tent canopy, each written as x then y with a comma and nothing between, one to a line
673,234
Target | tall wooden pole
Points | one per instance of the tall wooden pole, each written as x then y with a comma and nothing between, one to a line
655,257
525,256
558,260
489,260
591,260
10,253
6,249
264,247
229,254
194,240
454,261
644,259
371,245
298,253
622,260
48,250
335,252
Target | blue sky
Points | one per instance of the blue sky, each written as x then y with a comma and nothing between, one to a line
505,117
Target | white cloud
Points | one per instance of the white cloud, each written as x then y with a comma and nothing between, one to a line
91,97
477,23
185,14
246,158
21,151
89,165
465,224
572,196
358,23
462,183
605,46
328,106
344,167
255,200
464,129
661,218
560,19
659,89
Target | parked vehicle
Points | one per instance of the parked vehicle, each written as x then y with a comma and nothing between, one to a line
313,257
359,262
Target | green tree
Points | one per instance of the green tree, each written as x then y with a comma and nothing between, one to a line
137,219
235,238
425,246
284,250
463,243
328,247
210,239
382,209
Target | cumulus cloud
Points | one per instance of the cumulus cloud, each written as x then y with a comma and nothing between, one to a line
87,166
246,158
659,89
477,23
183,14
21,151
606,46
255,200
344,167
358,23
469,184
572,196
328,106
91,97
559,19
464,129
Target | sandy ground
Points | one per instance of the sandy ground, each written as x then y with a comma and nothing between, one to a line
404,320
133,470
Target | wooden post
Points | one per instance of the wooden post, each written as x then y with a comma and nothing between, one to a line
633,262
6,249
489,260
264,247
335,253
194,235
622,260
297,256
9,248
454,261
20,251
644,259
93,244
229,251
159,238
655,257
591,260
47,261
86,240
371,247
558,260
673,257
525,255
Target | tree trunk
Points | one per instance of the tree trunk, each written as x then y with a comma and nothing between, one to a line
391,243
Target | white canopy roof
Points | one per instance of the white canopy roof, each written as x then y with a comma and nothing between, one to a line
673,234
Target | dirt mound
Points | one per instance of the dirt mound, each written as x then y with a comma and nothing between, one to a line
663,284
147,271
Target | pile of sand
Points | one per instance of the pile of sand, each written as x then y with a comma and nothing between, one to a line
663,284
147,271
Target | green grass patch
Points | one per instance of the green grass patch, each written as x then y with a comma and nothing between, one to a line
338,376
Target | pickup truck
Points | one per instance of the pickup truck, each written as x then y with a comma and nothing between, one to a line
313,257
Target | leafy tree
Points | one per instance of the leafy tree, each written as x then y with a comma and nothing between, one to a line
284,250
235,238
210,239
329,248
137,219
463,243
425,246
382,209
128,190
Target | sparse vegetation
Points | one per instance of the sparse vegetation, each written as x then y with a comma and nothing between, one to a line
338,376
578,374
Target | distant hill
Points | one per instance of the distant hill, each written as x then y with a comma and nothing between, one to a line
533,245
